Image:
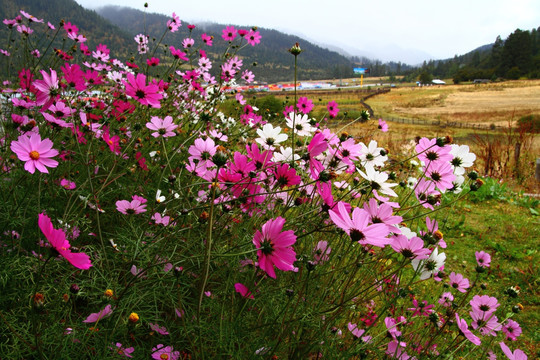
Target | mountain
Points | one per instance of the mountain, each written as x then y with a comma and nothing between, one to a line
274,62
92,25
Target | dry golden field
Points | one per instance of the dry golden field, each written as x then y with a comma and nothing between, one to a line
493,103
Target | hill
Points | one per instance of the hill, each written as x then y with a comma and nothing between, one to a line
274,63
93,26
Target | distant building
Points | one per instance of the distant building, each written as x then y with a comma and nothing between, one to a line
438,82
481,81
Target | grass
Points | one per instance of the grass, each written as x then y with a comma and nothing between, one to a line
507,230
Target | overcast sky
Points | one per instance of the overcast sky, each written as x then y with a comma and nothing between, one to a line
409,31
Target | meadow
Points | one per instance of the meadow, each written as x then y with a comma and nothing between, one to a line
146,213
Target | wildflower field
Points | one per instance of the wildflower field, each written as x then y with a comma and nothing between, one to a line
139,220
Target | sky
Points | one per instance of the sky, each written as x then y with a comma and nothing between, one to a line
389,30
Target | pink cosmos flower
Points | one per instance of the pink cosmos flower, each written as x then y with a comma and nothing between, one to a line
322,251
122,351
162,330
207,39
333,109
395,350
511,329
483,259
94,317
464,328
357,227
47,90
428,151
275,247
67,184
164,127
304,105
382,214
421,308
353,328
383,126
178,53
112,141
516,355
412,248
163,220
145,94
286,176
136,206
458,282
37,154
253,38
442,174
446,299
484,303
486,323
248,76
243,290
229,33
57,238
162,352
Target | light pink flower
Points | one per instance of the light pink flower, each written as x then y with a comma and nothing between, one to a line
36,153
511,329
135,206
94,317
458,282
162,330
516,355
122,351
57,238
464,328
162,127
482,258
162,352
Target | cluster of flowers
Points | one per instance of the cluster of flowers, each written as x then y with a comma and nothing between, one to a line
342,187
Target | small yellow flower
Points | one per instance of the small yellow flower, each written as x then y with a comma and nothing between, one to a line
438,234
108,293
133,317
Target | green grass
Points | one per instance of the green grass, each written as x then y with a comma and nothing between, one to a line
503,225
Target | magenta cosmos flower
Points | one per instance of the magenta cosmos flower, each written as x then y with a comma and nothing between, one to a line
511,329
145,94
412,248
357,227
36,153
275,247
243,291
57,238
162,127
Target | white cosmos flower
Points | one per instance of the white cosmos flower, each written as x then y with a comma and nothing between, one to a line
159,198
270,136
429,266
300,124
371,154
462,158
284,155
378,180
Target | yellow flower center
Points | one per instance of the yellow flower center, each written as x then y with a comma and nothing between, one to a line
133,317
34,155
164,356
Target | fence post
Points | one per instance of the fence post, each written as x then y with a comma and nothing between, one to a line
537,172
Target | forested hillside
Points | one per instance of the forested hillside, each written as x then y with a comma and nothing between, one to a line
274,62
